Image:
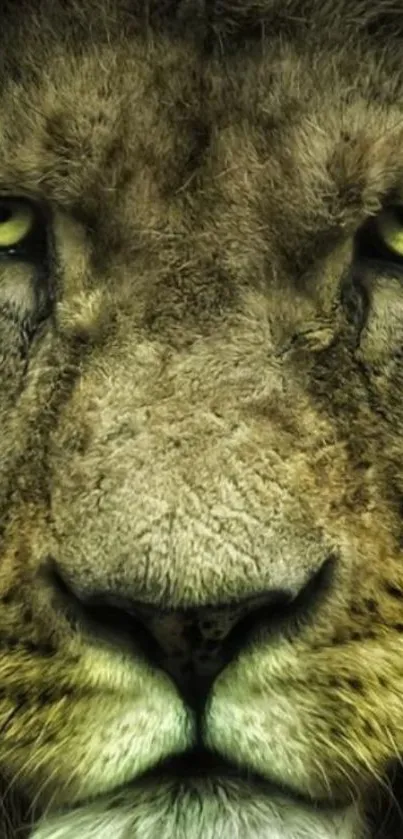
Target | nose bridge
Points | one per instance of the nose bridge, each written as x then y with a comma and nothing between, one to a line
186,482
186,373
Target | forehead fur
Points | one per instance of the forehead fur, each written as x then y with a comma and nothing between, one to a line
213,20
119,127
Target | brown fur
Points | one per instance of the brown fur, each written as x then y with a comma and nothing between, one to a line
200,416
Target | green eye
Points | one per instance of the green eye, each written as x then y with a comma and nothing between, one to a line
389,226
17,219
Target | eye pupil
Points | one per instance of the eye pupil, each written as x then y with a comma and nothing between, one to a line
398,213
5,214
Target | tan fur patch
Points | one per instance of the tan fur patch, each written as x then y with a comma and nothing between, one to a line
201,403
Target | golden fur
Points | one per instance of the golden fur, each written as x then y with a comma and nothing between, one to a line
202,408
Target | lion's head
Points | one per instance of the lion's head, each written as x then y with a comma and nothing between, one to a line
201,404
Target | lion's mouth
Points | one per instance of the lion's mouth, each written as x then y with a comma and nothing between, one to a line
200,764
197,762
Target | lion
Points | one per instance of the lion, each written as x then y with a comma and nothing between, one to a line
201,331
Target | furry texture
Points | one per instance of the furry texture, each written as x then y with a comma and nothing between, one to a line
200,400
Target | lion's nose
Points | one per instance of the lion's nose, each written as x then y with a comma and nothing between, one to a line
192,645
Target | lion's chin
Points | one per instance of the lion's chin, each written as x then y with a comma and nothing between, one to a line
200,807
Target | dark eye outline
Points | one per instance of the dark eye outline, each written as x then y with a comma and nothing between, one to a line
33,247
371,258
370,248
36,249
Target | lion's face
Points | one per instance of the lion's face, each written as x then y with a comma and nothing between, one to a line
201,322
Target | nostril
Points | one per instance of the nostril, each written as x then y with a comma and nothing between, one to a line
102,616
